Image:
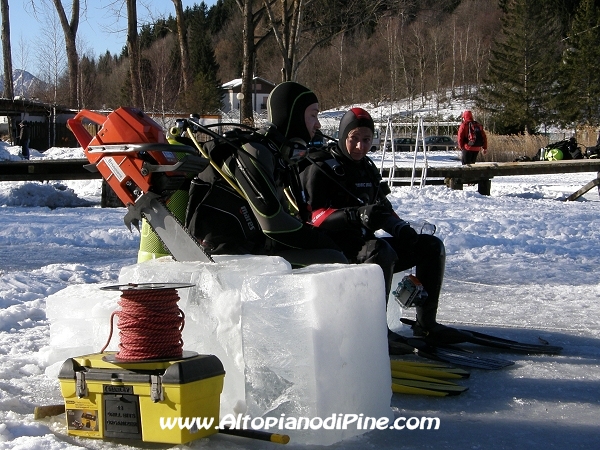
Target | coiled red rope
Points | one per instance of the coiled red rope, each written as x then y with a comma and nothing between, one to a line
150,325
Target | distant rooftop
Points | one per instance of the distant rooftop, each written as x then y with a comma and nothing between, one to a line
238,83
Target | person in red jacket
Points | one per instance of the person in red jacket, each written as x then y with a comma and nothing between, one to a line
470,149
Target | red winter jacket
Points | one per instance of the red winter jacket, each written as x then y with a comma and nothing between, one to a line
463,134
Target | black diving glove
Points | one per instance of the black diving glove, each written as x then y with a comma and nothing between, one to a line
344,227
374,216
401,230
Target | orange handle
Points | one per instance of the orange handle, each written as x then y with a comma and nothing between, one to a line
76,125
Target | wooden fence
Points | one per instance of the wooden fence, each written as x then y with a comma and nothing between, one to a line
453,177
483,173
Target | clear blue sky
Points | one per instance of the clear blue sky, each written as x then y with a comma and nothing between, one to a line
101,29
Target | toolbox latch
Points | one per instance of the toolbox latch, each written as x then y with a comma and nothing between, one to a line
156,390
81,388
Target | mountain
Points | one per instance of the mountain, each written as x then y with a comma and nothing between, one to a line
24,83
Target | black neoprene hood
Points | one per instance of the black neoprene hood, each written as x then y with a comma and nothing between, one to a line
354,118
286,107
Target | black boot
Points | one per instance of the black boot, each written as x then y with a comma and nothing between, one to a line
380,252
430,272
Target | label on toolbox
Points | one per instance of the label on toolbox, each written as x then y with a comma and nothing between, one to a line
122,418
110,389
84,420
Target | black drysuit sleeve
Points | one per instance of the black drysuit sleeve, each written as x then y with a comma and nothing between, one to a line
254,172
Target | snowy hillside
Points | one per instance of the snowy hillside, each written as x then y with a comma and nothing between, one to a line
23,83
432,110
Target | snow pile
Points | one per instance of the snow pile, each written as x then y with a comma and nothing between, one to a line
52,195
13,153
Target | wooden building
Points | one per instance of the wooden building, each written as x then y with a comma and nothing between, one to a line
47,123
261,89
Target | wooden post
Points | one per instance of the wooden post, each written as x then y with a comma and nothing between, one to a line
454,183
484,187
108,197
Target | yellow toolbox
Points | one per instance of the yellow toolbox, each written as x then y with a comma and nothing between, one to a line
162,401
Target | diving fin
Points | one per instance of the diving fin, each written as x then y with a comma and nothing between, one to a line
488,340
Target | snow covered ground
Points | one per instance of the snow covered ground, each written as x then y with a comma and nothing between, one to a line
521,264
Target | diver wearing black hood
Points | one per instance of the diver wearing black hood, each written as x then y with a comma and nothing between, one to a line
344,193
243,207
287,106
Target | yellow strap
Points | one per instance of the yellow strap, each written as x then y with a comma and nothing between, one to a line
453,389
217,168
291,199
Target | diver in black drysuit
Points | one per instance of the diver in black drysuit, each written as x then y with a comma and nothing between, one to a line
341,192
243,208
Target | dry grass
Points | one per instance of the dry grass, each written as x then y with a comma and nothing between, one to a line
508,148
503,148
588,136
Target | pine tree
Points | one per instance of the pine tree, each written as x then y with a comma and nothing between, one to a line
219,14
517,91
205,95
202,55
578,99
87,82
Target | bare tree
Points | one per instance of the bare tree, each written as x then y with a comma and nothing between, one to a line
403,59
464,40
480,55
133,49
287,27
251,19
70,32
419,45
341,53
246,110
51,60
163,89
22,61
390,33
6,53
183,46
453,82
481,23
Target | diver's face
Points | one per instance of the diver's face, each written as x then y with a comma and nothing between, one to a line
359,142
311,119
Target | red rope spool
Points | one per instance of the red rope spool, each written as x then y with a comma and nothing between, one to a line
150,325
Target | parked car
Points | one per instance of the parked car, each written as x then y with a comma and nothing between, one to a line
435,143
404,144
